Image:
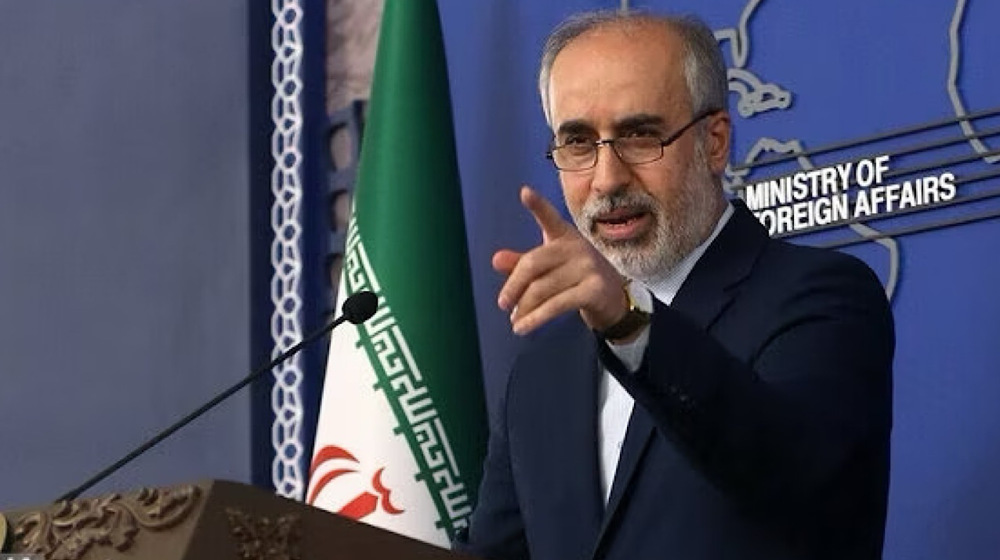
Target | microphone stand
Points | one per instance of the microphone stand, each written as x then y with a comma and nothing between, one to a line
348,315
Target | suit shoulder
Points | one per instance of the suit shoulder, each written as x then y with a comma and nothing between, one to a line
796,261
810,279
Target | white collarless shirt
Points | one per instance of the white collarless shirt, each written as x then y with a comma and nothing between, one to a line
614,404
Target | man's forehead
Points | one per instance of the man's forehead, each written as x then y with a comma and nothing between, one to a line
625,41
625,71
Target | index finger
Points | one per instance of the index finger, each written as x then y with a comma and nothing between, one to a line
546,216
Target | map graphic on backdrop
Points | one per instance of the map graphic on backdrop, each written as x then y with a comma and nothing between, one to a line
857,190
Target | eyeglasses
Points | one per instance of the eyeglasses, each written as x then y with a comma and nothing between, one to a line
580,155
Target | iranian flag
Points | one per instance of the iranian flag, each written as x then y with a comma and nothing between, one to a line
402,428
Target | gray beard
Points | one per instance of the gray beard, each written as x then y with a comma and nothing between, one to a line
679,225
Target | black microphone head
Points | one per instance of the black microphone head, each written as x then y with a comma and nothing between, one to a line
359,307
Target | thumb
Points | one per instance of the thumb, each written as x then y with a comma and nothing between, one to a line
505,260
546,216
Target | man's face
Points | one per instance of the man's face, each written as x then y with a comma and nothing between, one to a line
609,83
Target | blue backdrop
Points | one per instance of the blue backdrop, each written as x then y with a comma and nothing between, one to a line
849,69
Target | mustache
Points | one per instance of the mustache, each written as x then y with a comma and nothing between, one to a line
637,201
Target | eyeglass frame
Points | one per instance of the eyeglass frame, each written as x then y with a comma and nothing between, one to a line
664,142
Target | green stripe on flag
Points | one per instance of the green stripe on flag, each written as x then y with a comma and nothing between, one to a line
410,226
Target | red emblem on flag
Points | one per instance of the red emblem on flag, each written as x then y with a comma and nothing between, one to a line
367,501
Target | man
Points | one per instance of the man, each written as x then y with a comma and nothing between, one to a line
699,390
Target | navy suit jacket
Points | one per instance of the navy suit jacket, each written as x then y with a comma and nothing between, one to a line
760,429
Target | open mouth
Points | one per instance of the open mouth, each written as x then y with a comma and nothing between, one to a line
622,223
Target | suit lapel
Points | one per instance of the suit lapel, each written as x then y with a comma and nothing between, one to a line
569,446
703,297
711,286
637,438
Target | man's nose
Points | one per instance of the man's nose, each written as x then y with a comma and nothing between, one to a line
611,174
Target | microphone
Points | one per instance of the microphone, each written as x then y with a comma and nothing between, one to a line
356,309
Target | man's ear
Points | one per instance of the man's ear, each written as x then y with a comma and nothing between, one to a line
718,135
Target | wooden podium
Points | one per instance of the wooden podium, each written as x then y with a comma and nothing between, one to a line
211,520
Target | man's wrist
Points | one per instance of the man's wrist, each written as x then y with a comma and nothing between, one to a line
636,318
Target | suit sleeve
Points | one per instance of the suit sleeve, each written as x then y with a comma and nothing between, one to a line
496,531
798,426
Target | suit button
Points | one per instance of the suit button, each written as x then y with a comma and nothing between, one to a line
686,402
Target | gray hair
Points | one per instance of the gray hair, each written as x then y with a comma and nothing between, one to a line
704,67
